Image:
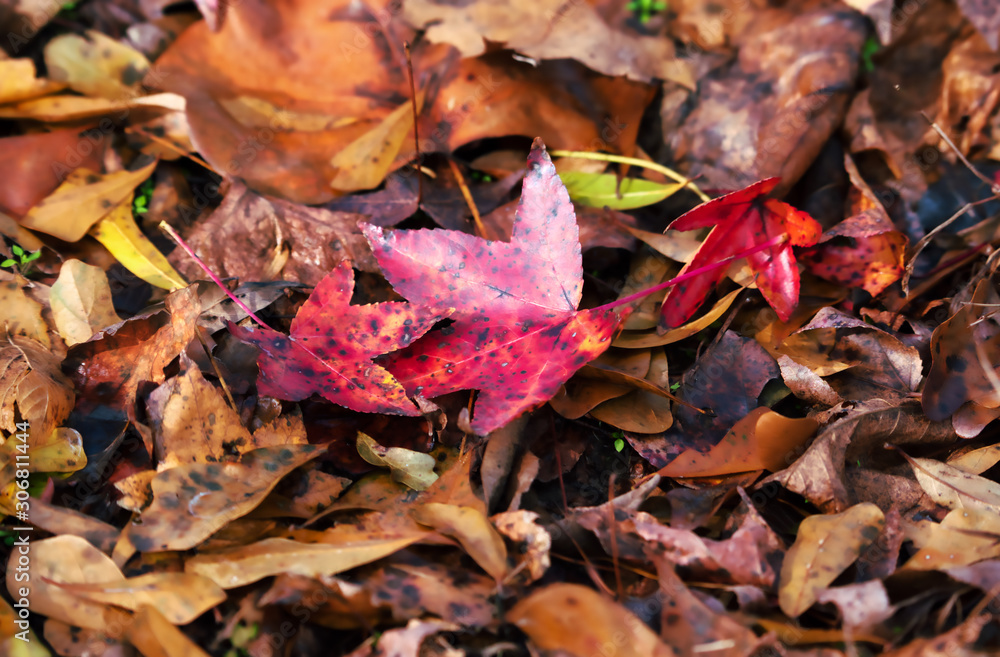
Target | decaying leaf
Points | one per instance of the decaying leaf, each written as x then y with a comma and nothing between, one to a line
823,548
81,302
31,381
471,528
86,197
66,560
192,502
408,467
244,565
577,619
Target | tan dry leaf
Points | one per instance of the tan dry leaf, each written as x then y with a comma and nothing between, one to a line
82,200
30,378
522,528
65,560
81,302
408,467
977,461
234,567
549,29
180,597
191,421
824,547
96,65
953,488
22,315
963,537
191,502
152,634
641,411
472,529
18,82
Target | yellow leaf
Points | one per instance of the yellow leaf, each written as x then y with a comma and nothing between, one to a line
824,547
81,302
472,529
96,65
77,108
18,81
60,451
82,200
65,559
22,315
121,236
364,163
600,190
233,567
762,440
408,467
964,537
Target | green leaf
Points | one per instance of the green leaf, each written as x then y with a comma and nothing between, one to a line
18,251
29,258
601,189
619,444
8,263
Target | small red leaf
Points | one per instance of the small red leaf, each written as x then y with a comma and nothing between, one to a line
330,346
743,220
871,257
517,334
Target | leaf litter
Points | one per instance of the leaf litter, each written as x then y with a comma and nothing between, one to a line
449,407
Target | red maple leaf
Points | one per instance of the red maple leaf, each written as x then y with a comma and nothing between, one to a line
517,334
331,344
743,220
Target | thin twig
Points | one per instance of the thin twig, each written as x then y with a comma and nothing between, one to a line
168,229
994,187
416,129
467,195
